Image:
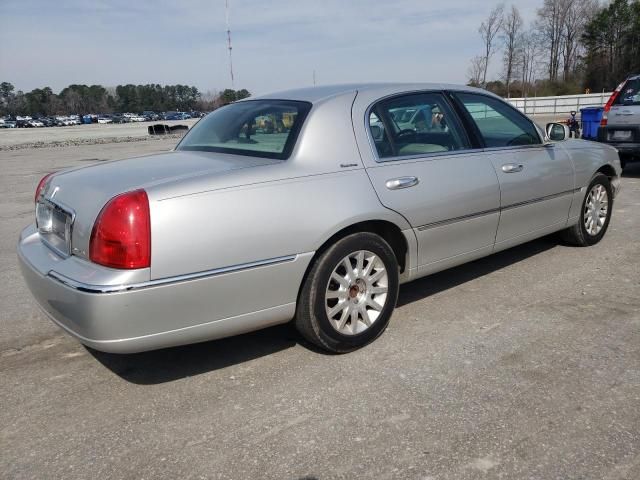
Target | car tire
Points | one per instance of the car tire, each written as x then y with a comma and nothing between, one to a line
592,224
341,309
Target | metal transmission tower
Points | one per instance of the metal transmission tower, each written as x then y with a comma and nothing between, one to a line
229,42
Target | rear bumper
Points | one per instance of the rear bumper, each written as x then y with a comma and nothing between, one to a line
177,311
627,148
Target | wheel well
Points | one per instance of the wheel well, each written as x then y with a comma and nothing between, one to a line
608,170
387,230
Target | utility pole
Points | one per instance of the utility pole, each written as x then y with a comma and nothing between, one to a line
314,78
229,42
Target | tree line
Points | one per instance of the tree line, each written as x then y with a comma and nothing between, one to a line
572,46
76,99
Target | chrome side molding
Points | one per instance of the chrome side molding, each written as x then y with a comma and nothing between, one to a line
91,288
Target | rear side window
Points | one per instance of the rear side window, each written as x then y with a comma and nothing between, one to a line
415,124
499,124
630,93
256,128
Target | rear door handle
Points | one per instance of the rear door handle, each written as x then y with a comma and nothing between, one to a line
401,182
512,167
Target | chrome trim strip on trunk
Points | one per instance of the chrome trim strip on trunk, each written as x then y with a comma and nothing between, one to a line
90,288
462,218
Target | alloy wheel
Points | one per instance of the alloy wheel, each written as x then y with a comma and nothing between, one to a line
356,292
596,209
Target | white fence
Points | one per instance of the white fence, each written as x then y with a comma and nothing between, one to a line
561,104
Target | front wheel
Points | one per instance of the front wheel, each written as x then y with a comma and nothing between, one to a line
594,215
349,294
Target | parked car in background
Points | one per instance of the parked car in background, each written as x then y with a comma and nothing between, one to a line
287,206
67,120
8,124
177,116
133,117
34,123
48,121
620,125
150,116
119,118
104,119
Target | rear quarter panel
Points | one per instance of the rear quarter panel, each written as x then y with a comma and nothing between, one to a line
237,225
269,211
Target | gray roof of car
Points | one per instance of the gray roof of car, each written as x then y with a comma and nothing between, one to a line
320,93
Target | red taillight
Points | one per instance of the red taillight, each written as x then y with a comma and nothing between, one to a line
121,236
41,185
612,99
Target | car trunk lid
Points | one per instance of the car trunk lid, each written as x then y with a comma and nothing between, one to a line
82,193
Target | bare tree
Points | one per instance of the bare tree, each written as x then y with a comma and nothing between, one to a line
511,34
476,70
528,58
550,25
579,14
488,31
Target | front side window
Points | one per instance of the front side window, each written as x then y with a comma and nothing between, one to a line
415,124
258,128
499,124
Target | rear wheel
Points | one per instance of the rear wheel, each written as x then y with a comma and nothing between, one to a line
595,214
349,294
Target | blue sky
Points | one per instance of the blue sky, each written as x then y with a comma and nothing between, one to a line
276,43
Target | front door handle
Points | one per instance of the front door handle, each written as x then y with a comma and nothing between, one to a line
401,182
512,167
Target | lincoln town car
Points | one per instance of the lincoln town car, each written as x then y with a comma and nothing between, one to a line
309,206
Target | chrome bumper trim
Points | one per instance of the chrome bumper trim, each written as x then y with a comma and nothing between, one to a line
91,288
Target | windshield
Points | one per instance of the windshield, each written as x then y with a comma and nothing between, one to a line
257,128
630,93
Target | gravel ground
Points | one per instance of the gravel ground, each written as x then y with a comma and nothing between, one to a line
523,365
76,142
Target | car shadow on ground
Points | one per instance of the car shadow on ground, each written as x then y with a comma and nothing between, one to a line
632,170
160,366
170,364
453,277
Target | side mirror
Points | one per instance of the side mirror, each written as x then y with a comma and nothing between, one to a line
557,132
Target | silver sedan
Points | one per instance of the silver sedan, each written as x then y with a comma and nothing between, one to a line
312,205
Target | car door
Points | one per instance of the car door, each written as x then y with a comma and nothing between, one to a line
426,170
536,179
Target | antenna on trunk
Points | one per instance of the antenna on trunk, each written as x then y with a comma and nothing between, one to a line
229,42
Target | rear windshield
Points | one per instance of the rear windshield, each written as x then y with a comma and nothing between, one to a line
257,128
630,93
